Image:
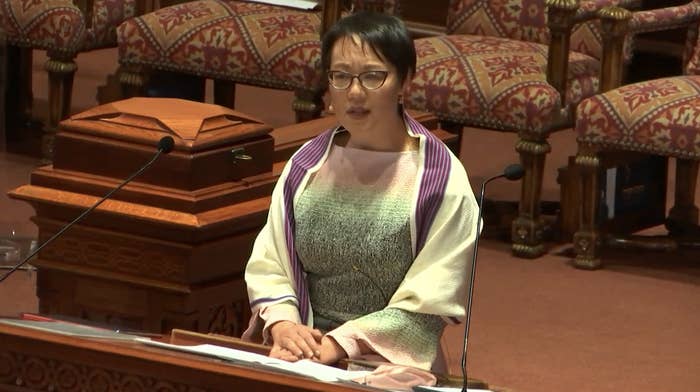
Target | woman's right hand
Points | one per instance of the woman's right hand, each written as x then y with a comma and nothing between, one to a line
291,341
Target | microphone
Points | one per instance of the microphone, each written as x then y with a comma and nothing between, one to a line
512,172
165,145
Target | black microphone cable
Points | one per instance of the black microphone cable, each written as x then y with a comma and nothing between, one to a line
165,145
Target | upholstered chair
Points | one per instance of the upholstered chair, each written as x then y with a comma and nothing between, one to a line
63,28
658,117
236,42
516,66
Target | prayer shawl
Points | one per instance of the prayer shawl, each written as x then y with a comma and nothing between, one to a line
443,231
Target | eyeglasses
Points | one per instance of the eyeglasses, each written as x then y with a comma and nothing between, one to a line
371,80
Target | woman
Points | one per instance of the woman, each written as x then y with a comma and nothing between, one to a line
366,248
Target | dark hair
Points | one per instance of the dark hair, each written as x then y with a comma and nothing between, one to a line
385,34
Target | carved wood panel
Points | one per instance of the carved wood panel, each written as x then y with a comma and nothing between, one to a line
115,252
33,373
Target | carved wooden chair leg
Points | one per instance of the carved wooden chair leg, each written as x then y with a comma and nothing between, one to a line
528,227
308,105
19,96
587,240
683,216
25,94
225,93
452,127
61,70
457,129
133,80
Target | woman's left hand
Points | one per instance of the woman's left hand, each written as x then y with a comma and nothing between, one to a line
283,354
331,352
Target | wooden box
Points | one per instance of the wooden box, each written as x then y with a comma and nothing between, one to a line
169,249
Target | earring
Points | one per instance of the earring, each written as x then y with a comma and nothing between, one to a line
331,109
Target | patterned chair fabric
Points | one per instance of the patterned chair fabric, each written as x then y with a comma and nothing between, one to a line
60,26
659,117
524,20
502,83
49,25
243,42
228,40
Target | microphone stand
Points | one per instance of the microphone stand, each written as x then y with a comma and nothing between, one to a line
512,172
165,145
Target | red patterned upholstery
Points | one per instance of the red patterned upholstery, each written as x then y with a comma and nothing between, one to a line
524,20
49,25
660,117
228,40
60,26
501,84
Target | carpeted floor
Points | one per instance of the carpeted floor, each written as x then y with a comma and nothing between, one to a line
537,325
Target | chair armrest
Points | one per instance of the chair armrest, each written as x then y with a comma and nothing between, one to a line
664,18
588,9
332,10
614,21
560,19
563,15
619,23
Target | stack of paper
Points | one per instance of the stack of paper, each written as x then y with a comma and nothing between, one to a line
304,367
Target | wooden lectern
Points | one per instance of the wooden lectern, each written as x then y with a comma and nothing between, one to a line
33,360
169,249
40,360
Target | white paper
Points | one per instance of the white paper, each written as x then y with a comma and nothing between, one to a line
304,367
447,389
71,329
299,4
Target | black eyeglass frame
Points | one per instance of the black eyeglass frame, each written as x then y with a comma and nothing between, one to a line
358,77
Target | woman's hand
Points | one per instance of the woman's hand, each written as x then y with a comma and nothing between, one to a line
331,352
292,342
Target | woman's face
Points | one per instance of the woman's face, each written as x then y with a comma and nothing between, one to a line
359,109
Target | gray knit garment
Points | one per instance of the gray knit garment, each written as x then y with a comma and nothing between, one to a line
353,238
353,232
